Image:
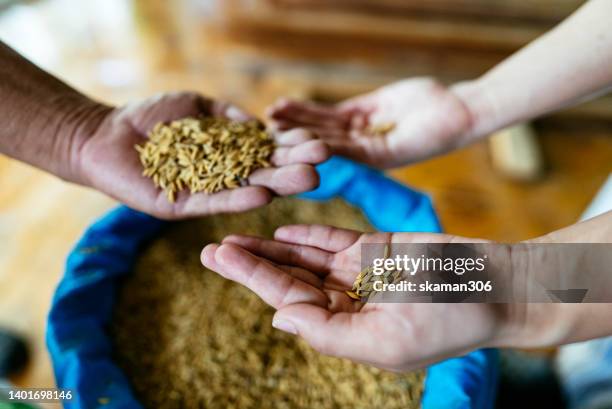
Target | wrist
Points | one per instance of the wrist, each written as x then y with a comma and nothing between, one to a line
480,108
44,119
539,325
78,120
532,319
516,321
550,262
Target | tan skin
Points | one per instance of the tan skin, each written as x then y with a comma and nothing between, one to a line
107,160
54,127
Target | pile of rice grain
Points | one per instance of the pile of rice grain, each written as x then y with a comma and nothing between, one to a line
204,154
187,338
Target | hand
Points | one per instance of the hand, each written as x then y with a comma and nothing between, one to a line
429,119
304,273
105,159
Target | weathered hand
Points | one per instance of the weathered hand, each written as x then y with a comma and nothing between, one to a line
428,119
304,273
105,159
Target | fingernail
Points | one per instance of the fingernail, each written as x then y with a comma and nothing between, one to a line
284,326
205,256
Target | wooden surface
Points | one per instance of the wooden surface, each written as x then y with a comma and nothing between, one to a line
40,219
475,201
181,46
539,10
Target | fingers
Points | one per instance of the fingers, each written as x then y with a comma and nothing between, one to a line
286,180
265,183
296,149
310,152
292,137
315,260
275,286
342,334
319,131
342,127
200,204
326,238
303,275
299,146
371,150
308,113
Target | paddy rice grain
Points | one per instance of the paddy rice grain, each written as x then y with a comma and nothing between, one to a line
381,129
204,154
188,338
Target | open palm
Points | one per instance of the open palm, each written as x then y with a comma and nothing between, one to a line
427,118
304,273
108,161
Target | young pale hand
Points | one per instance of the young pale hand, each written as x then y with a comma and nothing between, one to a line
105,159
303,273
429,119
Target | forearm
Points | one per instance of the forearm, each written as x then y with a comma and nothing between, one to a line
595,230
567,65
43,118
576,257
545,324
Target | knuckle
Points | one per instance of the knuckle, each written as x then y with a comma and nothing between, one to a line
305,175
285,290
320,150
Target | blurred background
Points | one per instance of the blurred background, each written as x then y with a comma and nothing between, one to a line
524,182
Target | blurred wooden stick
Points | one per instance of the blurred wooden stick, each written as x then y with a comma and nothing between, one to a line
515,153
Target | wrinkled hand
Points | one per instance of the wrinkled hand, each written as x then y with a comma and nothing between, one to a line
304,273
106,160
429,119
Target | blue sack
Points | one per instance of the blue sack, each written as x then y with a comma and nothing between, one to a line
81,350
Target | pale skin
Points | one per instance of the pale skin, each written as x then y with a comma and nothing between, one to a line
54,127
298,273
568,65
304,271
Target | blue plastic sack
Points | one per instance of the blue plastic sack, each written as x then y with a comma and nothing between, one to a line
81,350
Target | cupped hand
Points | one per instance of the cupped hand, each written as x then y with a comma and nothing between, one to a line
106,160
423,119
304,272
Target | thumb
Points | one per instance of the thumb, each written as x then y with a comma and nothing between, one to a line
340,334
